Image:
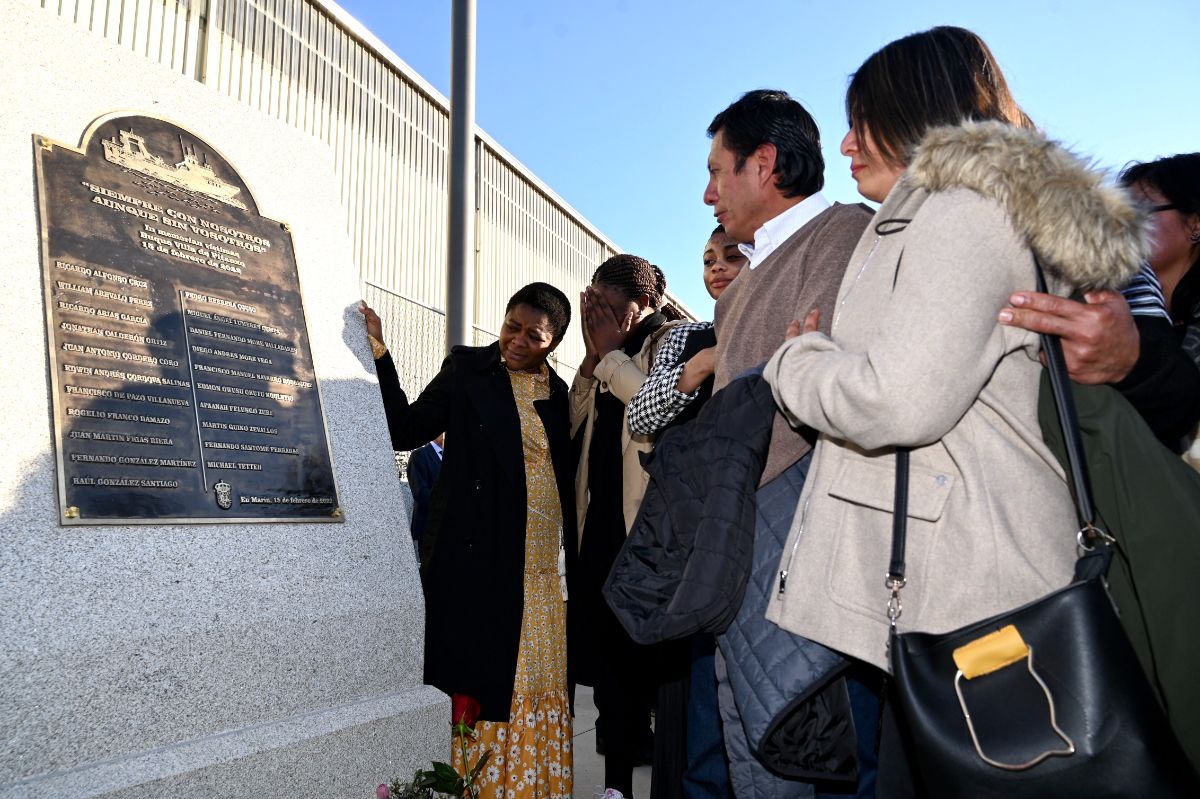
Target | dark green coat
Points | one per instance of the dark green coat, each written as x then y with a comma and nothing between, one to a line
1148,499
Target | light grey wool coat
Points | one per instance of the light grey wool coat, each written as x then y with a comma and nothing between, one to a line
917,359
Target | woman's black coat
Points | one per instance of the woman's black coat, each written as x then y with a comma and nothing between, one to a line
474,550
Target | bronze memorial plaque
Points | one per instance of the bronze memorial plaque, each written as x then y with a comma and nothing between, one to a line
180,365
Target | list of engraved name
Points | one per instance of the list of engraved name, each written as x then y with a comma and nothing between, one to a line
152,372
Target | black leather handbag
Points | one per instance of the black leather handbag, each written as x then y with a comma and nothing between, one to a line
1047,700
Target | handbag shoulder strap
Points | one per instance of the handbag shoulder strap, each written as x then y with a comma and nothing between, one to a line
1068,420
1077,472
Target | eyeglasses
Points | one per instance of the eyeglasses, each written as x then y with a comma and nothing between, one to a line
1154,209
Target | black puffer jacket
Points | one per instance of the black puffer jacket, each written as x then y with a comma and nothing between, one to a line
684,565
684,569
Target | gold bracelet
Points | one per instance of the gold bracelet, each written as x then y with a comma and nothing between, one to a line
378,348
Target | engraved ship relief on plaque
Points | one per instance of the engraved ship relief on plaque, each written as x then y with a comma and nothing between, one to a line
180,367
191,173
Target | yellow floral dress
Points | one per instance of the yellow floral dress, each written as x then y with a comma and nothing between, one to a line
531,754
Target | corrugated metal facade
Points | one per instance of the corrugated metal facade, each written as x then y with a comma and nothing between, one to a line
312,66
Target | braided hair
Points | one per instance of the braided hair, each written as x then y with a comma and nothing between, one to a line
634,276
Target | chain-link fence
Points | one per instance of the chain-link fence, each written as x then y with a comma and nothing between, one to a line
415,335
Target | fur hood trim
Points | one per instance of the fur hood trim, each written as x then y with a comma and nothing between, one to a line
1087,233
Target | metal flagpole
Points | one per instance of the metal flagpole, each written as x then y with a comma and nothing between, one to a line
460,282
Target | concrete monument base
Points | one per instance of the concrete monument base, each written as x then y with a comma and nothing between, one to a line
216,660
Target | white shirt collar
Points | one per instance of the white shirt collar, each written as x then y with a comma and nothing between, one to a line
436,448
778,230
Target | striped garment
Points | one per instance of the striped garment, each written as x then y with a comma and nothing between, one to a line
1145,295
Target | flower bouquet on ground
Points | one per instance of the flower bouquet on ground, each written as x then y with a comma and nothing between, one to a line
442,779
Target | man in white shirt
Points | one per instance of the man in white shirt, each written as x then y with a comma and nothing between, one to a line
765,176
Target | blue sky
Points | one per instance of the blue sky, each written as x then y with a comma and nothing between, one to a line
607,101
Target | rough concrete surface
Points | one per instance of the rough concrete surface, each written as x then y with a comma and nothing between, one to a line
197,660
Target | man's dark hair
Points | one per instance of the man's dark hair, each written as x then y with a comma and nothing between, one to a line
547,299
770,116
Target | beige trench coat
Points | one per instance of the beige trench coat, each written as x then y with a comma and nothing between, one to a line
917,359
623,376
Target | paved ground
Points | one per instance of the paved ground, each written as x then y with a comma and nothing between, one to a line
589,766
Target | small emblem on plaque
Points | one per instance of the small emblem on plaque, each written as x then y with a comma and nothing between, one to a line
191,173
224,495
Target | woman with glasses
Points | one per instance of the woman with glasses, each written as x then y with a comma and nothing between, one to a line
1170,190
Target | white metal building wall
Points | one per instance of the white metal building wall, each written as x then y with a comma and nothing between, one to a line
311,65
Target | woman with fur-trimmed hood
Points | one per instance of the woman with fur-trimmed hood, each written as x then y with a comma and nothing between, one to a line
916,358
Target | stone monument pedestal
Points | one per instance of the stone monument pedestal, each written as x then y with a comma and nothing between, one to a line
197,660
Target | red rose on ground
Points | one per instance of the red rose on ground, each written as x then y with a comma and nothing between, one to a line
464,710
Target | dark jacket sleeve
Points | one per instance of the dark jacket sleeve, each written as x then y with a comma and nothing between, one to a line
414,424
1164,385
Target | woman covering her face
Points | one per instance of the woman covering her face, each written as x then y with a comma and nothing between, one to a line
625,321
